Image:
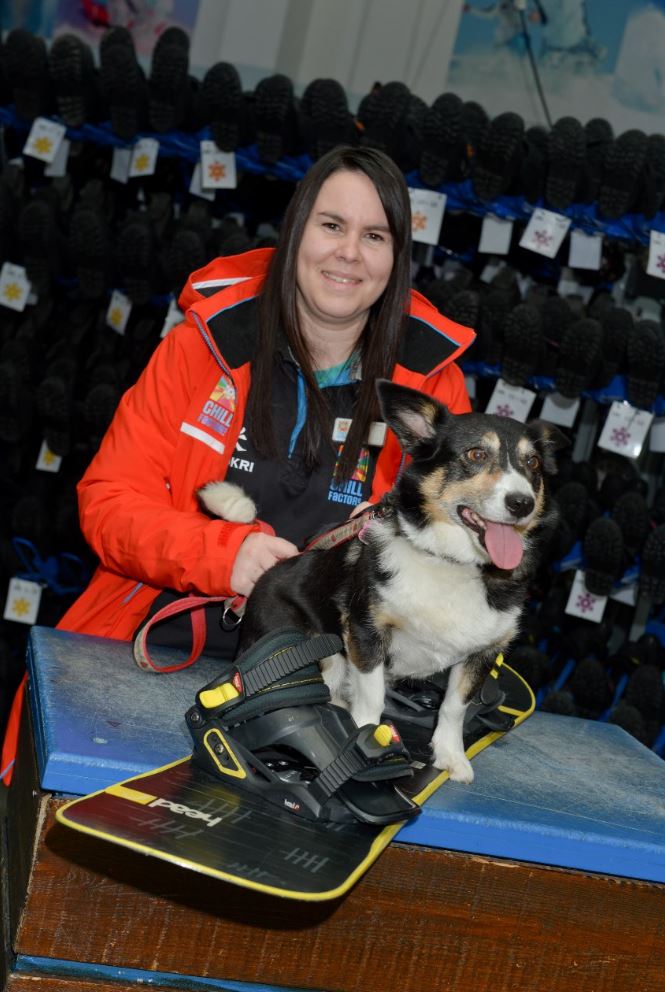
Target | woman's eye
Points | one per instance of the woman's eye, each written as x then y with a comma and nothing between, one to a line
476,455
533,463
330,225
373,236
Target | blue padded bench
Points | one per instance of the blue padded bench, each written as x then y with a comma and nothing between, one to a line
579,796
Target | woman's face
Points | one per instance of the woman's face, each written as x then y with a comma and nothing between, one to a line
346,253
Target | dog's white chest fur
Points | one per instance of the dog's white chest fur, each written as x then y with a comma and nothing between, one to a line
438,610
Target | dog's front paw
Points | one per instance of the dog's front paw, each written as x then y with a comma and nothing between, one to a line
458,766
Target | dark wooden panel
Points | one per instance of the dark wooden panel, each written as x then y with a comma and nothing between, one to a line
420,919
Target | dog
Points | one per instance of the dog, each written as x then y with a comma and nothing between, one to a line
440,573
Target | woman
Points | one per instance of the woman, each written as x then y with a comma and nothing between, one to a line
279,350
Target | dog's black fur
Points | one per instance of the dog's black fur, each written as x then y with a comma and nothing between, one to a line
420,591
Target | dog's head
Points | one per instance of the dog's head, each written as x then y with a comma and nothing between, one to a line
475,487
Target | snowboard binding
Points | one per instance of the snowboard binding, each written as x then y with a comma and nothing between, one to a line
413,706
266,725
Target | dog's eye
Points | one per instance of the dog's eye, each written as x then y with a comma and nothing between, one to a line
477,455
533,463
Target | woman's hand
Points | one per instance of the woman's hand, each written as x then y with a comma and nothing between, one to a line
257,553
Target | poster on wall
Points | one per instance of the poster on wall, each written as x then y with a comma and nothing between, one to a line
594,58
89,19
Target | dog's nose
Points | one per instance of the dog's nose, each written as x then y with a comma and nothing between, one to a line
519,504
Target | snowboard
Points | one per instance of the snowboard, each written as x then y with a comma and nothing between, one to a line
181,814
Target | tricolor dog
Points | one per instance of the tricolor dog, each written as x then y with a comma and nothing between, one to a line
439,575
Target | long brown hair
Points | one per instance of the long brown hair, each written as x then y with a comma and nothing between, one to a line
279,316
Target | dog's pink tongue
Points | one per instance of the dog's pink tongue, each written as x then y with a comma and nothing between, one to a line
504,545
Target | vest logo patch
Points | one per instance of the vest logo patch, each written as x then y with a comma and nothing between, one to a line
350,491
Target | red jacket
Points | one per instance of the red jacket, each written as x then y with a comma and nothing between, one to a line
137,499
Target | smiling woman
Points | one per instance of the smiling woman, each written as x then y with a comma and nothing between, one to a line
268,383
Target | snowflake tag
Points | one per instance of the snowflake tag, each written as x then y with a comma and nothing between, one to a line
626,594
584,604
44,139
625,430
656,263
586,250
58,167
22,602
545,232
118,312
427,207
511,401
173,316
495,235
195,187
218,169
47,461
144,158
120,163
14,287
558,409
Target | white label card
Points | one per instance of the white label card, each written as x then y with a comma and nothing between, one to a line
218,169
584,604
427,207
470,383
657,435
120,164
58,166
44,139
511,401
656,263
47,461
144,158
118,312
558,409
22,602
495,235
545,232
625,430
14,287
626,594
195,187
586,250
173,316
491,270
375,437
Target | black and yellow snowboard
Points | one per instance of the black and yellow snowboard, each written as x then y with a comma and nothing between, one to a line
198,812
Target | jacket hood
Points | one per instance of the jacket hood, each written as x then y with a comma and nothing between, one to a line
228,270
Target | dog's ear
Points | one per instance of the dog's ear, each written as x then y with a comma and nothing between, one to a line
413,416
548,439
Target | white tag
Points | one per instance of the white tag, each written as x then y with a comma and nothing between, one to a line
218,169
495,236
14,286
195,187
582,603
625,429
47,461
427,209
490,271
375,437
44,139
545,232
510,401
586,250
22,602
470,383
656,263
558,409
144,157
58,166
173,316
657,435
120,164
118,311
626,594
